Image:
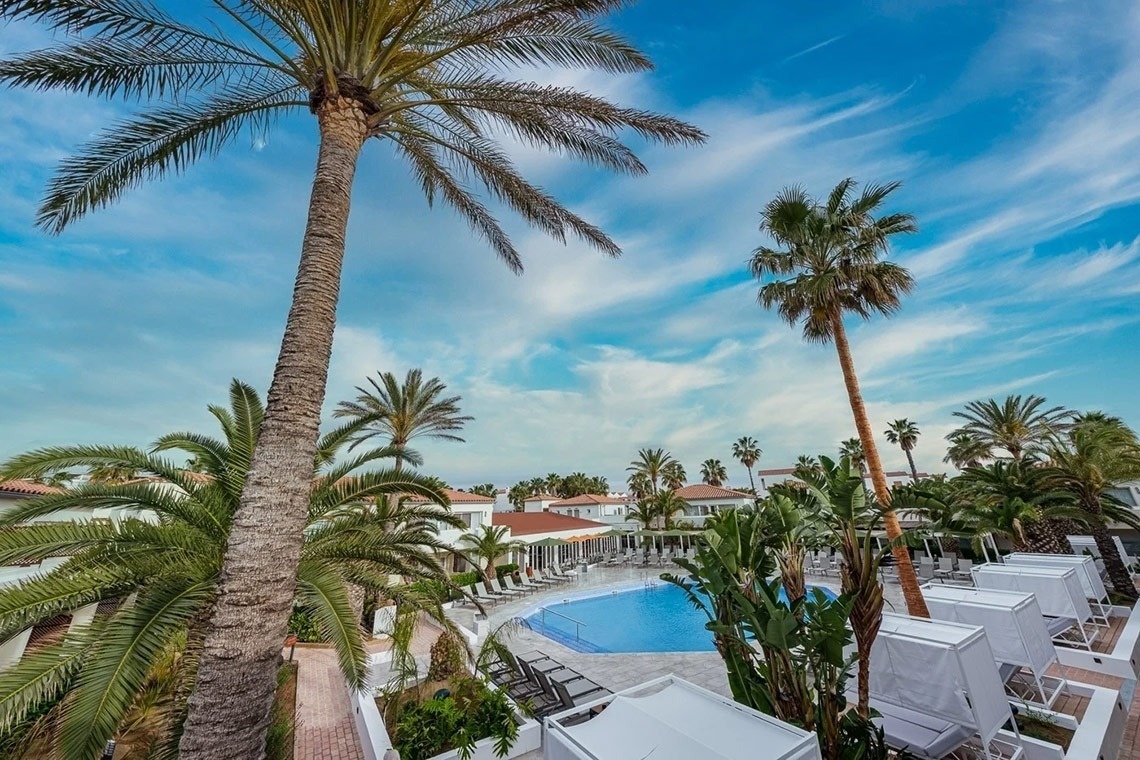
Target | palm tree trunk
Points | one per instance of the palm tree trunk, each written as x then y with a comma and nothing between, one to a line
751,481
1117,573
913,469
230,708
1043,537
915,604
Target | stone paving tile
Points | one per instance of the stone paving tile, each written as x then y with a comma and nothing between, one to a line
325,729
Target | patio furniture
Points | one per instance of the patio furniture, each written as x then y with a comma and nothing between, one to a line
497,588
1058,592
1087,574
479,593
963,571
945,568
540,578
509,580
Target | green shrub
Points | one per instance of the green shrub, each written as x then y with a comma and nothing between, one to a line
302,625
440,591
472,713
510,567
446,658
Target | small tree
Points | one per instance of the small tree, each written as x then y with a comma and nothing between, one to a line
748,452
904,434
484,548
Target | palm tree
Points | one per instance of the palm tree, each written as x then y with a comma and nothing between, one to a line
1092,457
168,570
485,489
810,463
713,472
645,513
59,479
432,79
575,484
553,483
904,434
666,506
485,547
401,412
1017,426
652,464
748,453
965,450
639,486
852,448
111,473
829,265
673,475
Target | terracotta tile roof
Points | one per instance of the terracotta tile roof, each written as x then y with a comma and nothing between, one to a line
27,488
541,497
586,500
701,491
458,497
780,471
48,632
526,523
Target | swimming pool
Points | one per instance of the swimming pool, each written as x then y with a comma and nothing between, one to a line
651,618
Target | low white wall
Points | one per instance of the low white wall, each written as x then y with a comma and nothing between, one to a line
1098,736
1122,662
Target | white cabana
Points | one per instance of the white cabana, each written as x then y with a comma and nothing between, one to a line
671,719
1087,574
1059,594
936,684
1015,630
1087,544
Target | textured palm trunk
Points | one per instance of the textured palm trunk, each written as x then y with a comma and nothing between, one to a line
1117,573
1047,537
230,708
910,461
750,480
915,604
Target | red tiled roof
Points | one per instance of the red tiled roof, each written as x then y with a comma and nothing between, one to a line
780,471
526,523
27,488
701,491
587,499
458,497
540,497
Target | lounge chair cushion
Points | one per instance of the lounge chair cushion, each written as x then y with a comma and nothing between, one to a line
1007,671
920,734
1058,625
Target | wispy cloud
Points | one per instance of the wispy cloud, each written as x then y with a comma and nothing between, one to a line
813,48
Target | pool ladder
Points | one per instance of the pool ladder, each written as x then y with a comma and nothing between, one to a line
578,624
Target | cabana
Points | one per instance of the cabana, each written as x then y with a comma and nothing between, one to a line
1059,594
1015,630
937,688
671,719
1087,544
1087,574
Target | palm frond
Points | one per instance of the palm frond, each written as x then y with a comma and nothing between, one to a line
43,597
42,676
323,594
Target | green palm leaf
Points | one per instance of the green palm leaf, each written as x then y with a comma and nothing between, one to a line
323,594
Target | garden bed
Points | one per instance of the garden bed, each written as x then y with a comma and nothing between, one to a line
1045,730
282,727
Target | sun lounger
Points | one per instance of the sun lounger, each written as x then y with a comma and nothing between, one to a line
524,589
558,572
921,735
497,588
540,578
480,593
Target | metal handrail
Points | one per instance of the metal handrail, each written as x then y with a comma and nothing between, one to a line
577,623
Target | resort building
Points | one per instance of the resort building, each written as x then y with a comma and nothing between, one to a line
540,502
553,537
705,500
611,510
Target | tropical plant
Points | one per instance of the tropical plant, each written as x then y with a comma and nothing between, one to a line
828,266
1090,458
904,434
965,450
748,453
168,568
667,505
486,546
430,78
518,494
792,536
650,464
111,473
485,489
713,472
838,502
1017,426
58,479
640,487
399,412
471,713
1020,501
673,475
644,512
852,449
807,462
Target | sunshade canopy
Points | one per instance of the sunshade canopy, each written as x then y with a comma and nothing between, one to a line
1058,590
1084,564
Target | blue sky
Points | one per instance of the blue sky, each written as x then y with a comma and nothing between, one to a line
1015,127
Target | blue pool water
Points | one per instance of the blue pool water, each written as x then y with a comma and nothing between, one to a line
656,618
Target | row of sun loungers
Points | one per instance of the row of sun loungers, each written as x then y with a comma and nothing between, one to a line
504,589
543,683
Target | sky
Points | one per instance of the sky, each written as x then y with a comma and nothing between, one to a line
1015,128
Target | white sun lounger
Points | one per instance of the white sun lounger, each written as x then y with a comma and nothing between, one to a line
497,588
479,593
524,589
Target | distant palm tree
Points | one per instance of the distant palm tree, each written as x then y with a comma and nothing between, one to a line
488,545
666,506
1017,425
652,464
640,487
673,475
965,450
829,266
645,513
1092,457
111,473
553,483
58,479
852,448
748,452
574,484
904,434
809,463
169,570
436,82
713,472
485,489
401,412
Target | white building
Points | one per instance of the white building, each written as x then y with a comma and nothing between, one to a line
705,500
540,502
583,537
769,478
611,510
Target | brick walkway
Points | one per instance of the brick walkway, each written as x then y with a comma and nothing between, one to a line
325,730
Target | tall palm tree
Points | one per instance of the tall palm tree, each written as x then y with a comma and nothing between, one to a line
904,434
829,265
168,570
111,473
1092,457
713,472
666,506
965,450
652,464
748,453
401,412
810,463
639,486
852,448
485,489
432,78
488,545
1017,426
553,483
673,475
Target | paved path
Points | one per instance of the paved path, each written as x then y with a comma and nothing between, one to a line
325,730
